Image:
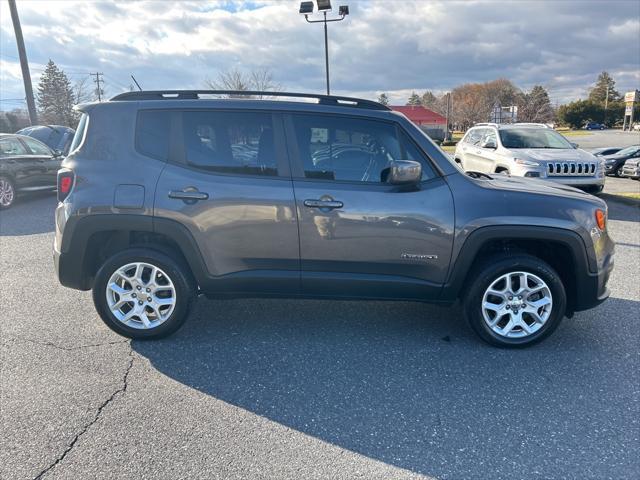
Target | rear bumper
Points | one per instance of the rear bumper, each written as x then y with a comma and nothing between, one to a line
69,270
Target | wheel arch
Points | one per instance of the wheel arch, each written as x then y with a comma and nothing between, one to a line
94,238
563,249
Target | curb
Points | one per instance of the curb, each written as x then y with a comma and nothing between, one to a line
619,198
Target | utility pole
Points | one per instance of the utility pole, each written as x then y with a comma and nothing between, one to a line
24,65
446,131
606,104
97,82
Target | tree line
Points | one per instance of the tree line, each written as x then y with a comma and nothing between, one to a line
474,102
470,103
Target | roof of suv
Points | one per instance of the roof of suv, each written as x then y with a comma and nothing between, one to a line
169,95
512,125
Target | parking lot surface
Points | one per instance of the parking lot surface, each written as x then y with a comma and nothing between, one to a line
605,138
309,389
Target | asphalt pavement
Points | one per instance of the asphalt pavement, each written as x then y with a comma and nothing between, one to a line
605,138
309,389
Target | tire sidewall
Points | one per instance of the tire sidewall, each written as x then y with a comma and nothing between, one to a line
498,267
176,272
13,187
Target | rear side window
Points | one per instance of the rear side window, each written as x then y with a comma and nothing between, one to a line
352,149
229,142
474,136
152,133
80,131
10,147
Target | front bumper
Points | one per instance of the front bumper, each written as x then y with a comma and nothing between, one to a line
631,172
577,181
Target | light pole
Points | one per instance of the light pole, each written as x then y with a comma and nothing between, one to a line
324,6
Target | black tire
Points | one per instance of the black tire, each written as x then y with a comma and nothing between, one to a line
178,273
618,172
482,278
5,202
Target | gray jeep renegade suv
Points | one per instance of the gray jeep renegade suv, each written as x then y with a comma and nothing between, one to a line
167,195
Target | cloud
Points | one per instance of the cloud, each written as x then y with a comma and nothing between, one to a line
388,46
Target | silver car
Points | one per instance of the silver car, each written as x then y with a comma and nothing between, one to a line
529,150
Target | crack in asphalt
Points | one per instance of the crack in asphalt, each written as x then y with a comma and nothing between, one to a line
59,347
120,390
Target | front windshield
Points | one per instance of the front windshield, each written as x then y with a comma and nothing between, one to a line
533,138
629,150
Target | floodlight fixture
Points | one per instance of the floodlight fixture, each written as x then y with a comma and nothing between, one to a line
343,10
306,8
323,5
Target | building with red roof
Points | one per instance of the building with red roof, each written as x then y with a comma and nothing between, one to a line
431,122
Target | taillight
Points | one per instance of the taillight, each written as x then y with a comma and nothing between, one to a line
65,184
601,219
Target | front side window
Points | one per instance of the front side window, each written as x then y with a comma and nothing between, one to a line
349,149
10,147
533,138
489,137
229,142
36,147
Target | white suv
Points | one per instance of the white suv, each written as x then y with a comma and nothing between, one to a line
529,150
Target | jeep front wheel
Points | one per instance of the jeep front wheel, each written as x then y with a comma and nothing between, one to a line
515,301
143,294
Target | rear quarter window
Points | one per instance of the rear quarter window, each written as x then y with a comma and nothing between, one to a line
152,133
78,138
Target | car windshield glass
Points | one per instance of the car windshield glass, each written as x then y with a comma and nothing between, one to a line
533,138
629,150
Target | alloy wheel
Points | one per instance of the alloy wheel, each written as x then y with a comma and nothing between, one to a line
7,194
141,295
517,304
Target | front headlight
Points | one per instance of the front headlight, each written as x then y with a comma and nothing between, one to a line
526,163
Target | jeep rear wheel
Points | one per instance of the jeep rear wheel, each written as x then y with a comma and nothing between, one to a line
515,301
143,294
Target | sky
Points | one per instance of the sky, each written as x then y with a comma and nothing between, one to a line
390,46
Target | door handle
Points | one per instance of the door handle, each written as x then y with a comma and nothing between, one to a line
188,195
328,204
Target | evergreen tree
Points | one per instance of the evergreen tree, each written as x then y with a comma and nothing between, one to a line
383,99
604,83
55,97
429,100
535,106
414,99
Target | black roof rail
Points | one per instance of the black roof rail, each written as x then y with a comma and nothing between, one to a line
195,95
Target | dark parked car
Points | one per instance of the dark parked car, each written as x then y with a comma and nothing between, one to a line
600,152
26,165
613,163
594,126
338,199
56,137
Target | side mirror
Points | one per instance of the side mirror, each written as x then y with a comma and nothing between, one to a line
574,145
489,144
57,153
402,172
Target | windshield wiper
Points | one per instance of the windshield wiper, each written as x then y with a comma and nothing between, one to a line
474,174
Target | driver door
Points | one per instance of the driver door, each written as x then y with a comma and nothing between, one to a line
360,236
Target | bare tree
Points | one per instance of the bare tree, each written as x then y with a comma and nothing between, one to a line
82,92
259,79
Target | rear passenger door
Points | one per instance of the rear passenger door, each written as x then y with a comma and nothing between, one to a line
228,182
47,165
360,236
